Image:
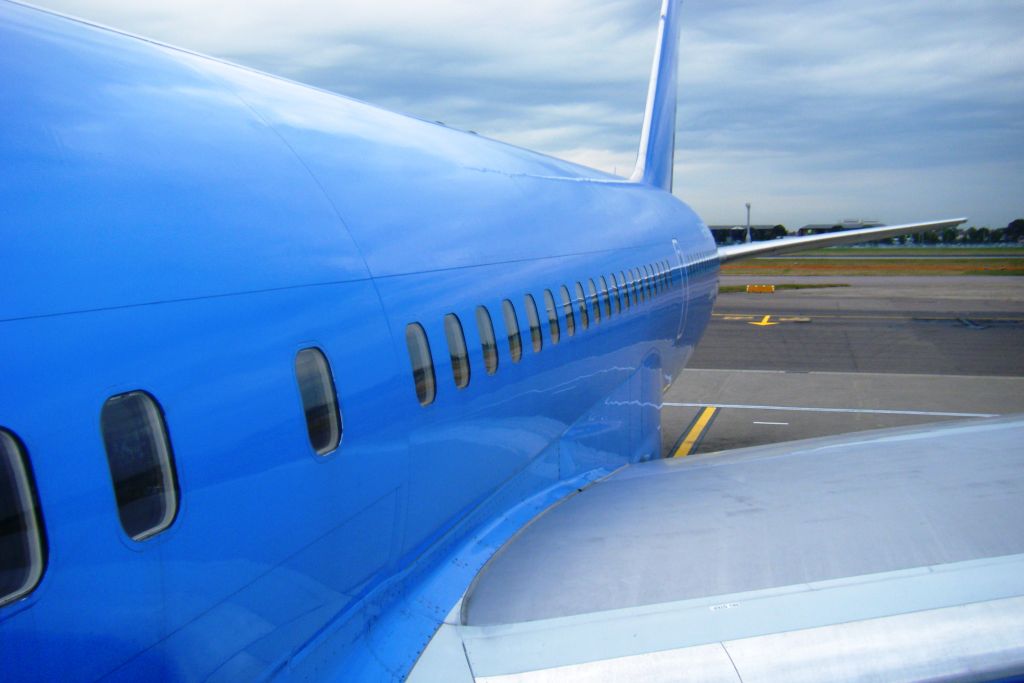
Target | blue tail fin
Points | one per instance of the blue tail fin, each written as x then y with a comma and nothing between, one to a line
658,138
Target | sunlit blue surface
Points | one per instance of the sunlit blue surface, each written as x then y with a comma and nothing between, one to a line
183,227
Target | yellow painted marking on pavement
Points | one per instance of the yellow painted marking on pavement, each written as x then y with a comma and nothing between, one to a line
764,322
697,429
763,289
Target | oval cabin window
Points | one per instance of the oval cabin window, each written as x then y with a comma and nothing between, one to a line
141,463
488,344
515,341
595,302
22,541
624,288
457,350
581,306
422,363
570,318
319,400
533,317
603,287
552,310
613,294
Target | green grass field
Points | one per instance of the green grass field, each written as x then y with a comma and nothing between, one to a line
917,251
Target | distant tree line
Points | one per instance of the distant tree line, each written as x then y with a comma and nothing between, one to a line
1012,233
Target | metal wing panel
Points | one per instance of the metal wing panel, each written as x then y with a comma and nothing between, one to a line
859,550
788,245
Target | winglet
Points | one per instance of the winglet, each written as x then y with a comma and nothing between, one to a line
658,137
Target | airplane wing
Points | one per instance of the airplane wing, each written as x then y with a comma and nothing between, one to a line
888,555
787,245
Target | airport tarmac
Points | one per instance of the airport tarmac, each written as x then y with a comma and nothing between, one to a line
879,352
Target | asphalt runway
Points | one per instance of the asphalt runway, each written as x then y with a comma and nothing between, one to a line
881,352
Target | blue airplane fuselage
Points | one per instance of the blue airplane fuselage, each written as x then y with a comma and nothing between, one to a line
176,225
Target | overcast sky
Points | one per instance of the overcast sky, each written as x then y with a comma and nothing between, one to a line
813,110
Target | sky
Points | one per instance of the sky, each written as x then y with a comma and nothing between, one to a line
813,110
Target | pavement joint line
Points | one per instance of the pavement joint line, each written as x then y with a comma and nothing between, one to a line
805,409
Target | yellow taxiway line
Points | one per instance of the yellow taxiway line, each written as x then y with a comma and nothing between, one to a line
695,432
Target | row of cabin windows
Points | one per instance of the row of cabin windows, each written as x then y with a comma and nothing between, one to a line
601,297
142,471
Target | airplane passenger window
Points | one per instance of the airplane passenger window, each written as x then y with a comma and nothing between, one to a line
552,309
141,463
515,341
624,287
457,350
581,306
22,541
638,292
319,400
616,301
487,341
422,363
533,317
595,302
603,287
570,318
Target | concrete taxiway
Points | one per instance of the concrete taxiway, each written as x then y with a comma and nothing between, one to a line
878,352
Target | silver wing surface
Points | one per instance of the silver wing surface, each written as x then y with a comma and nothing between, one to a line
787,245
887,555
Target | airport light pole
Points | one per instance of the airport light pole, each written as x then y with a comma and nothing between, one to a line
748,221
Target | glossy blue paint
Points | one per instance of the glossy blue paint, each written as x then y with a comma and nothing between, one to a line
180,226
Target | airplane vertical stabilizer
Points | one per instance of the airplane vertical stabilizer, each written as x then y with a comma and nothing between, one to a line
658,138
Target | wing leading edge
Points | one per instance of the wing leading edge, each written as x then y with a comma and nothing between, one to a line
829,239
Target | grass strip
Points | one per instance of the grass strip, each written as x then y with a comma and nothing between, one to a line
915,251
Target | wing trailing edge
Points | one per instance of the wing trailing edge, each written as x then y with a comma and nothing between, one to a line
787,245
